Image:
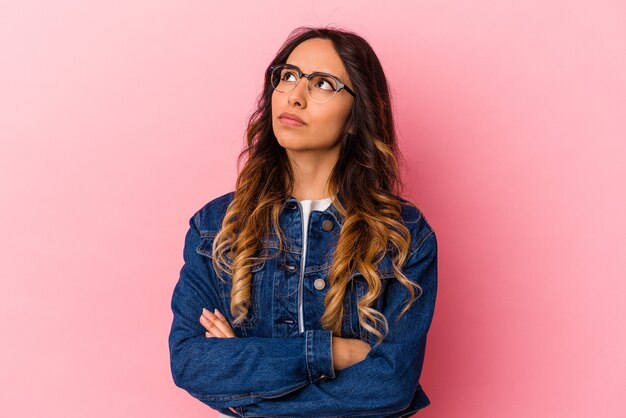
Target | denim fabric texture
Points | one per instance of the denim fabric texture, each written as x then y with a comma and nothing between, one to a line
280,366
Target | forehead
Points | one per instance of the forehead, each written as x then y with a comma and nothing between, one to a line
317,55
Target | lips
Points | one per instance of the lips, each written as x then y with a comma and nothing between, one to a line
291,118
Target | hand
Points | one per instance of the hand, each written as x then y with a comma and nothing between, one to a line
348,351
216,325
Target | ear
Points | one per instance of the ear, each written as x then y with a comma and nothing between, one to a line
349,130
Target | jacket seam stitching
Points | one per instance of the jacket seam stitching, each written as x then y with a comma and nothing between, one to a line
421,244
306,354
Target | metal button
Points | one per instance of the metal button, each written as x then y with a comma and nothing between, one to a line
291,267
319,284
327,225
323,377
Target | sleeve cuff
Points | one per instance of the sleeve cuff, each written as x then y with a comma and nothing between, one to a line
319,355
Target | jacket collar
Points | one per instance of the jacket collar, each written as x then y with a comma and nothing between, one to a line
332,210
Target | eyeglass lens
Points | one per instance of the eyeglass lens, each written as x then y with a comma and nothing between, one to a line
321,88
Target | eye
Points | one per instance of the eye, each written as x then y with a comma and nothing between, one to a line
287,73
324,83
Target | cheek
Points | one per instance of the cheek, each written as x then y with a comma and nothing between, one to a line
274,108
329,125
273,103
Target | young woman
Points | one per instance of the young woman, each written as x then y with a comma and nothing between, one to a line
309,289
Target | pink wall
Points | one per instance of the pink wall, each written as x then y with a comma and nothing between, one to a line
115,128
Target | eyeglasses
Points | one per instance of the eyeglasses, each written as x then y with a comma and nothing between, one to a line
321,87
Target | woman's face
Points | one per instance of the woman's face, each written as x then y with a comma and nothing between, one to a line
323,122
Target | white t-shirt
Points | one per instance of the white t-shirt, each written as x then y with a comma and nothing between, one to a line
307,207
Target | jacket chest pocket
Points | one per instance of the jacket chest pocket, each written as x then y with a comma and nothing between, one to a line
360,288
224,287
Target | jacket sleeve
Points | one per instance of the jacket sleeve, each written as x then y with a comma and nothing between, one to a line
229,372
386,381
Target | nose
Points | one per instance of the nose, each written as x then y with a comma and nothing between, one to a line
298,93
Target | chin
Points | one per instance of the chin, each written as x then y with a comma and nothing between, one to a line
292,146
290,139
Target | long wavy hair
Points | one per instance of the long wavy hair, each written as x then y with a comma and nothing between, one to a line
364,186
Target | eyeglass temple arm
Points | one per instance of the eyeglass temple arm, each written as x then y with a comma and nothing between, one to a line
343,86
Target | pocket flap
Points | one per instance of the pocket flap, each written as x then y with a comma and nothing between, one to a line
205,248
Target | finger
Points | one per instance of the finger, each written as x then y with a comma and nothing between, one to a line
223,325
227,328
208,335
211,326
218,326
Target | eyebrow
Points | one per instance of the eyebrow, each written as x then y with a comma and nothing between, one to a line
323,72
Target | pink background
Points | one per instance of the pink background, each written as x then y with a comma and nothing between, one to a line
115,128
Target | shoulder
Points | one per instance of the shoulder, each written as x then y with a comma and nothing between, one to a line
415,220
209,217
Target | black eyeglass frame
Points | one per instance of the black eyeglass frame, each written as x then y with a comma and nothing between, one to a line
340,85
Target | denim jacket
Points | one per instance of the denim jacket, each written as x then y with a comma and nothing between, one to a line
281,364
